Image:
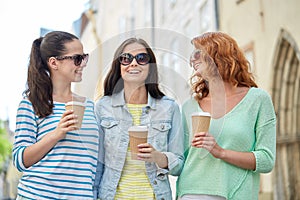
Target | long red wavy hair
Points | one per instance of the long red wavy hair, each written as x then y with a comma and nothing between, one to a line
229,59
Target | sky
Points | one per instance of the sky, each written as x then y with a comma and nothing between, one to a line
20,24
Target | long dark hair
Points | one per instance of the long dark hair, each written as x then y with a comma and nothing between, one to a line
114,83
39,83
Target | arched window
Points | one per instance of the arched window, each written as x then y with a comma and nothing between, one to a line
286,98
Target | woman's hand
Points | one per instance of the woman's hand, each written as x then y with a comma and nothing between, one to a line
245,160
34,153
208,142
67,123
149,154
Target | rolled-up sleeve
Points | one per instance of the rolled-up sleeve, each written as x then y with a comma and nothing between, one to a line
265,147
175,144
25,133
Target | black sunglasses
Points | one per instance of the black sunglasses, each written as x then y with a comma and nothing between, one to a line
141,58
78,58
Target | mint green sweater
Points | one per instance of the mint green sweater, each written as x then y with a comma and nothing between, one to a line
249,127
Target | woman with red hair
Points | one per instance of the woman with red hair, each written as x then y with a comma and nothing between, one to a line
226,161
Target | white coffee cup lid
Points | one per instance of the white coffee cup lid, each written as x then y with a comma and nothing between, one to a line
138,128
201,114
77,103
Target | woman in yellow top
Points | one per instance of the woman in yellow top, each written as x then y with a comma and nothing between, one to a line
132,97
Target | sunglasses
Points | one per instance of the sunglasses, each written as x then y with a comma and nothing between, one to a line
196,55
141,58
78,58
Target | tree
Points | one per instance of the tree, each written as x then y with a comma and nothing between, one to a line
5,146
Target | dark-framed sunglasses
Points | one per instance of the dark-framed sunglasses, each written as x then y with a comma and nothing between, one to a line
141,58
78,58
196,55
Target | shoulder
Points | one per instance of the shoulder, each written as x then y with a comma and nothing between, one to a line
191,102
25,102
104,99
168,100
89,101
259,93
259,99
189,106
25,108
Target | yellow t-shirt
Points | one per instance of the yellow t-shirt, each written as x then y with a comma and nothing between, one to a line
134,182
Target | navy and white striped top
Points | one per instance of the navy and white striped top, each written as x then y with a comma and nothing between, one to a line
68,170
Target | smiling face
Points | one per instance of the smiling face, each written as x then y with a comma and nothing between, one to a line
134,73
74,48
64,68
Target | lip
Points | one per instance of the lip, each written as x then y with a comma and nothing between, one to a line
134,71
78,71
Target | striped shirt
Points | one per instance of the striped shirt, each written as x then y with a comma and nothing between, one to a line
68,170
134,182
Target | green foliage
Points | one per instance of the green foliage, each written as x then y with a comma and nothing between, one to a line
5,146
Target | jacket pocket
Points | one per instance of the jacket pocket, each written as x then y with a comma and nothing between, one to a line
162,126
108,123
111,133
159,135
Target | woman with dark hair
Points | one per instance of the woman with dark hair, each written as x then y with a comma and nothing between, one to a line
57,158
132,97
226,162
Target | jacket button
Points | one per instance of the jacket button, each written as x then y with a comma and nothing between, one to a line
161,176
162,198
147,111
155,183
162,127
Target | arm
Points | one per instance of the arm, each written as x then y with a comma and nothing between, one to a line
100,165
101,153
35,152
245,160
27,150
265,146
173,158
150,154
175,152
262,157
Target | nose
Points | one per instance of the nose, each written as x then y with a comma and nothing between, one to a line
196,65
83,63
134,63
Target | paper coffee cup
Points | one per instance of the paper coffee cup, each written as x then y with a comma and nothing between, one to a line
137,135
200,122
78,108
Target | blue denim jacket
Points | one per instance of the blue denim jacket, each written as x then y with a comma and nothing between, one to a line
163,118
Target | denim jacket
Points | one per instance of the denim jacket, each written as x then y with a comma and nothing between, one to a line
163,118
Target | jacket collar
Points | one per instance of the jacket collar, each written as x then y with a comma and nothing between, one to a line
118,99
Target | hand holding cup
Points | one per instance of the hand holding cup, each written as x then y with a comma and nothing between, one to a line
200,122
78,108
137,135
